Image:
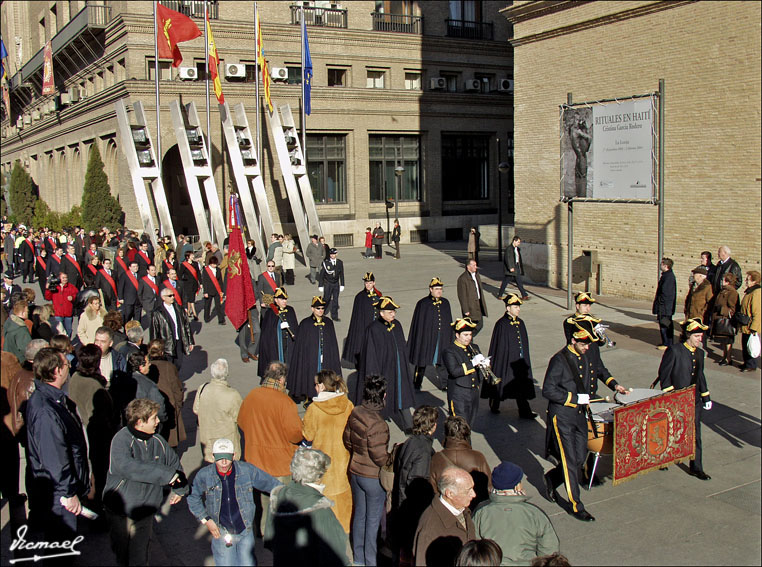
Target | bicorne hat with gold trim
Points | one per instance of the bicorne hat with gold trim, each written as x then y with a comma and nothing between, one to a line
693,325
281,292
386,303
369,277
436,282
463,324
318,301
584,332
583,297
512,299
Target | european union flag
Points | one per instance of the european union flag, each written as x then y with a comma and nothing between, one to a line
4,54
307,71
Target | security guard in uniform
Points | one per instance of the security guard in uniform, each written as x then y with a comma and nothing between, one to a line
570,382
462,360
681,366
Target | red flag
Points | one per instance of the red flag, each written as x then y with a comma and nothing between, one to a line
262,62
48,83
173,28
239,294
214,63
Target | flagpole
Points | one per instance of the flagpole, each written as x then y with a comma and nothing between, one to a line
304,87
208,117
156,82
256,83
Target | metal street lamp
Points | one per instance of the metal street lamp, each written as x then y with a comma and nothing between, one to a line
502,168
398,171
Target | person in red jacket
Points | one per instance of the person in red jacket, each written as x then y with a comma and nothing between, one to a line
368,244
63,296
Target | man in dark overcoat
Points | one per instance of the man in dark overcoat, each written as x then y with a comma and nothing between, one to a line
279,325
664,303
430,332
462,359
364,312
473,304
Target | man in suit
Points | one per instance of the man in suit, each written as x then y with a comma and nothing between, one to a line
169,322
143,258
106,283
331,282
72,268
513,269
148,293
664,303
54,264
127,288
26,257
214,290
724,265
268,283
471,295
10,288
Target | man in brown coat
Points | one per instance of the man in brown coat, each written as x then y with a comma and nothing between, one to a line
458,452
471,295
446,524
698,302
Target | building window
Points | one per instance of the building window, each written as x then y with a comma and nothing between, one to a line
451,81
376,79
121,71
294,74
386,152
413,81
165,73
465,167
337,77
468,10
326,167
251,72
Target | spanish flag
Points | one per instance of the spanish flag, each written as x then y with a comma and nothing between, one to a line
262,62
214,63
173,28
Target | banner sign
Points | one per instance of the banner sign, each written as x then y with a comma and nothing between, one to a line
48,83
607,151
654,433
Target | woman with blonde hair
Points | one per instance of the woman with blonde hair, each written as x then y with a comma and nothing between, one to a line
43,329
323,428
90,320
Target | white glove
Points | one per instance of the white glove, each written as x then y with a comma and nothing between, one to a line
341,288
487,362
284,325
583,399
320,289
477,360
708,405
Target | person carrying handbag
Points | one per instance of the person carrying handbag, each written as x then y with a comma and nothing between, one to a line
751,321
723,328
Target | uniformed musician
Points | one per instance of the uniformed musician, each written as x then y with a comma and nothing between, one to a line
279,325
464,378
681,366
364,312
570,383
430,332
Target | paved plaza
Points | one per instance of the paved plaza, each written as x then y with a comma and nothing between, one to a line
662,518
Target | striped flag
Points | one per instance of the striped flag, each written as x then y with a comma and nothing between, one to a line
3,55
262,62
214,63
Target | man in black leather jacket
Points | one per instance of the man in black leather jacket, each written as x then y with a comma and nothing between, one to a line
170,323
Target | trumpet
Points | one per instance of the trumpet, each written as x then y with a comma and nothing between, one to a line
484,370
600,330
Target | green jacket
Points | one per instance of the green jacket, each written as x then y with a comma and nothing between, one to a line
302,528
16,337
521,529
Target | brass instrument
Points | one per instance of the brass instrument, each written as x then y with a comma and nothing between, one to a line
486,372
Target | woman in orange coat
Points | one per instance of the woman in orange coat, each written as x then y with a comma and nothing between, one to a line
324,423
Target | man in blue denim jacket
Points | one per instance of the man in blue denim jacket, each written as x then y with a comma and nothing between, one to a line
223,500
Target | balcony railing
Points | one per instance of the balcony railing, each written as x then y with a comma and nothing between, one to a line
469,30
193,8
322,17
400,23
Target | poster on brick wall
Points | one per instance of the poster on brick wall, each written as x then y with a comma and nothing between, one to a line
607,151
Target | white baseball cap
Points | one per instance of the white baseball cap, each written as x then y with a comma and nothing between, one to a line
223,449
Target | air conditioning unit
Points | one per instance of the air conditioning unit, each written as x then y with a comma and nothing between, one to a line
20,123
473,85
187,73
35,115
235,71
65,99
279,74
46,109
74,94
438,83
505,86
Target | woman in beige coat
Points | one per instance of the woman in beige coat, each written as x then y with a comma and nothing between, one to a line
289,261
725,306
216,406
90,320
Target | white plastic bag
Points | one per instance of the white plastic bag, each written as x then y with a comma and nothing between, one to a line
753,346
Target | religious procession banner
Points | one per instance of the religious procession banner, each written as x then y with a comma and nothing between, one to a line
654,433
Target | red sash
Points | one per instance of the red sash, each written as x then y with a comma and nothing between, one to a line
91,253
133,279
111,282
175,291
76,265
144,256
120,260
152,285
191,269
42,263
30,246
56,258
52,243
271,280
93,269
168,265
214,280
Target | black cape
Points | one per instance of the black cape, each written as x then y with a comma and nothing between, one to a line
384,353
307,361
364,312
430,331
509,350
269,348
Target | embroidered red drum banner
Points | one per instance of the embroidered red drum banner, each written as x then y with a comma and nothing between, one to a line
654,433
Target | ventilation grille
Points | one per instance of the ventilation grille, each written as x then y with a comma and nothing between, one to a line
343,240
419,236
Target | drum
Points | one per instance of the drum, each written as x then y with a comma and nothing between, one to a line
603,418
637,395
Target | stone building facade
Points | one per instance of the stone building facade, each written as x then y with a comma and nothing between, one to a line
432,80
708,54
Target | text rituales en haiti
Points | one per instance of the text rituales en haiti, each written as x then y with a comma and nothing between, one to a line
624,121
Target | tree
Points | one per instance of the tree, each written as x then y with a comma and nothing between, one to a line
23,194
99,207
